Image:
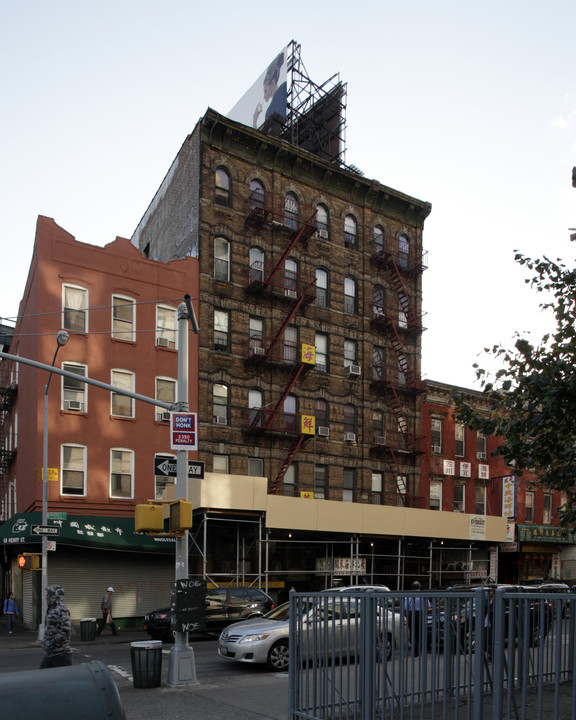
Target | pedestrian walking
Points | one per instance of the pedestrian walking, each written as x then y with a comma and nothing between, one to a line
56,640
107,618
10,610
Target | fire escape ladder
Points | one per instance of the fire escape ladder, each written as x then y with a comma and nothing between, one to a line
403,364
294,375
303,234
394,467
276,484
404,301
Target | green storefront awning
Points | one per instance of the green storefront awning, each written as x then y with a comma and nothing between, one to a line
111,533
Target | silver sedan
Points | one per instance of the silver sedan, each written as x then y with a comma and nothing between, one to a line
265,640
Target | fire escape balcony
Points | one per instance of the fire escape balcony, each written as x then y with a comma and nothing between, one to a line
270,421
271,211
284,285
411,262
384,441
386,375
408,322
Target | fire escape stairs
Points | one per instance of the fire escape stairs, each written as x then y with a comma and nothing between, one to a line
403,364
404,302
296,444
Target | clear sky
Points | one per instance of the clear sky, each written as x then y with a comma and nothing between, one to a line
469,107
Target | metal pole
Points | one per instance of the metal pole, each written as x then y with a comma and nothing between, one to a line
181,665
61,339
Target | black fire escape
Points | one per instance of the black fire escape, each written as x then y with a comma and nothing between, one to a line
268,211
397,381
8,392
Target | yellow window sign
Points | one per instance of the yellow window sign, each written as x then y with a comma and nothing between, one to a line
309,354
308,425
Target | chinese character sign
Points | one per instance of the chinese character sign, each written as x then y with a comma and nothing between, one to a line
449,467
509,496
483,472
308,425
309,354
465,469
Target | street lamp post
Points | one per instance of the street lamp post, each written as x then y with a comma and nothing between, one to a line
61,339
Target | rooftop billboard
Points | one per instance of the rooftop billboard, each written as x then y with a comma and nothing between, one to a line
267,96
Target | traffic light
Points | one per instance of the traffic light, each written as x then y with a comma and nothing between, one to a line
180,515
29,561
149,518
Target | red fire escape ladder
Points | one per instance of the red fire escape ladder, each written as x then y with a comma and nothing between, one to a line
294,375
403,364
276,484
303,234
394,468
404,300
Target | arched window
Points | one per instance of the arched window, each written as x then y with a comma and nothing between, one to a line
322,221
321,287
291,211
350,232
378,240
379,301
257,194
221,259
256,261
350,298
403,251
220,403
222,187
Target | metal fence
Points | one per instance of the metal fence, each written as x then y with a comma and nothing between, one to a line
367,654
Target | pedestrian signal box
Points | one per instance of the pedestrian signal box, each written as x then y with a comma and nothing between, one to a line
180,516
149,518
29,561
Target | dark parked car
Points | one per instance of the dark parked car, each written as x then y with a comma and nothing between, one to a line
536,615
223,607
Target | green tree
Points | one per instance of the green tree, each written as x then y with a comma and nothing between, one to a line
532,398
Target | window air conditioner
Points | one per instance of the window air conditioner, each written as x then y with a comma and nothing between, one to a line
291,294
352,370
481,456
164,417
220,420
163,342
323,431
323,234
350,437
259,350
380,440
73,405
436,448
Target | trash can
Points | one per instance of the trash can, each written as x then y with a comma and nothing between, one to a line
146,657
84,691
88,628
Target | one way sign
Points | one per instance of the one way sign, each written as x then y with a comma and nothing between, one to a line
167,467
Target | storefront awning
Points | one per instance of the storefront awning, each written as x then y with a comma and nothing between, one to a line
97,532
544,534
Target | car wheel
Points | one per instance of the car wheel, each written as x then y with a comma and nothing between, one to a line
278,656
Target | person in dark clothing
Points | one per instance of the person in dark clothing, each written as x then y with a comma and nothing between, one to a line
56,640
107,619
10,610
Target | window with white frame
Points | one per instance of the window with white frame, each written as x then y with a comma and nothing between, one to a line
220,402
122,405
73,470
349,420
378,362
166,320
480,447
291,211
321,413
75,308
460,498
123,318
350,297
290,481
291,345
529,507
256,467
162,482
436,434
256,261
321,287
222,331
74,392
547,510
350,232
256,337
322,220
290,277
121,473
378,240
377,488
255,413
403,251
166,392
480,505
221,464
321,345
459,439
348,485
379,301
290,409
257,194
350,352
321,482
221,259
435,495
